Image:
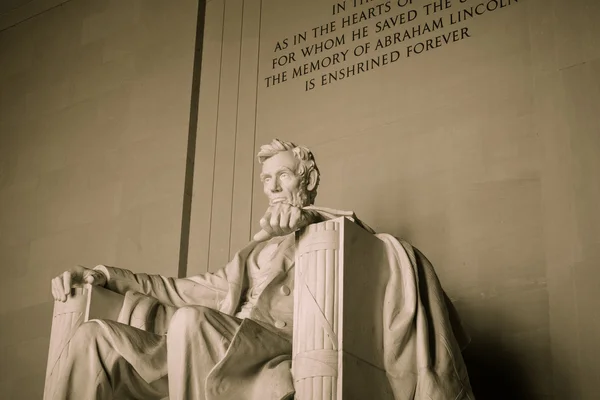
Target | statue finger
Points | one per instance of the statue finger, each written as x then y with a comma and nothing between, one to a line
89,279
284,223
57,287
261,236
295,214
90,276
54,287
67,278
273,209
265,223
274,223
267,216
284,208
95,277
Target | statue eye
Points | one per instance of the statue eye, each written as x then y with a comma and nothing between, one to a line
267,179
284,175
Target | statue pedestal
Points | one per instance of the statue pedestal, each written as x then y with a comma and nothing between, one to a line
341,276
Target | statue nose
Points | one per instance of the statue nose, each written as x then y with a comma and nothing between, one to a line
274,186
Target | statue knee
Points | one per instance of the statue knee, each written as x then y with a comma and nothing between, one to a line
188,319
87,333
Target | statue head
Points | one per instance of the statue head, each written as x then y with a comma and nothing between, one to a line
289,173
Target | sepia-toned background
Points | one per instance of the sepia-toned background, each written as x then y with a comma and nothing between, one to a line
483,153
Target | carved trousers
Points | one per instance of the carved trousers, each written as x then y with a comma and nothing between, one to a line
107,360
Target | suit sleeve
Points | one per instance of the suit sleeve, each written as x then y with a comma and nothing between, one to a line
207,290
330,213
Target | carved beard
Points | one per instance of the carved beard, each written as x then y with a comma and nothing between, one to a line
300,198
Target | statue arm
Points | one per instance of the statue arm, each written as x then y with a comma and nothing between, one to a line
282,219
331,213
206,289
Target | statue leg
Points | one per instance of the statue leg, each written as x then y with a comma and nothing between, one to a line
197,340
109,360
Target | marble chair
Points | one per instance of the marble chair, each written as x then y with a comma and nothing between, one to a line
340,279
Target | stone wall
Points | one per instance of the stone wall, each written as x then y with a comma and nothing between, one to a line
482,152
94,119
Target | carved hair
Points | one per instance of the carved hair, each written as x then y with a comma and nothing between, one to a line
304,155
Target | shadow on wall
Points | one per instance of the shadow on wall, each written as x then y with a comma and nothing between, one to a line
496,373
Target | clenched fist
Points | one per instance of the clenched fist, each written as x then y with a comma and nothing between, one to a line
76,276
282,219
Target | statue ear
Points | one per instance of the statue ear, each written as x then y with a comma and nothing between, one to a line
312,180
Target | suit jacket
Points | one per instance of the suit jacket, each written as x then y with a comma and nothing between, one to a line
259,357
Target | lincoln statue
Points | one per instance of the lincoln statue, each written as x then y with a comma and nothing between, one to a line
228,334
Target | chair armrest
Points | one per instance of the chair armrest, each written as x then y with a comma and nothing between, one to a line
83,304
133,308
102,303
91,302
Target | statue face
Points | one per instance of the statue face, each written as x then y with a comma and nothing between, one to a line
281,184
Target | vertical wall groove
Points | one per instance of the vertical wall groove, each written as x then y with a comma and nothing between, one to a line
191,144
204,203
235,140
224,165
245,163
212,197
260,6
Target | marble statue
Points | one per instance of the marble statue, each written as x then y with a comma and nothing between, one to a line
228,334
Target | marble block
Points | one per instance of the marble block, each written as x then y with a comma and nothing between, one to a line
341,276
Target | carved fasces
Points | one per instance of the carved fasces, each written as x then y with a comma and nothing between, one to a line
316,316
341,276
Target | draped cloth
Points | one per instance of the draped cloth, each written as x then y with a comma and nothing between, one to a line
423,336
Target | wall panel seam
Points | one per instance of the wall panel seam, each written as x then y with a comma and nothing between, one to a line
237,108
212,200
188,183
260,6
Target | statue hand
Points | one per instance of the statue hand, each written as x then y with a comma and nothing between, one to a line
76,276
282,219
